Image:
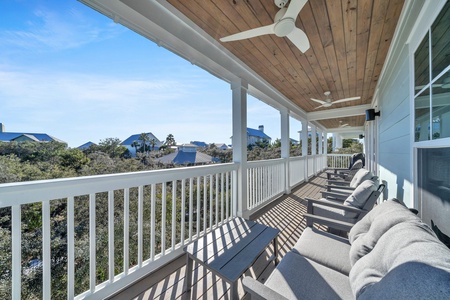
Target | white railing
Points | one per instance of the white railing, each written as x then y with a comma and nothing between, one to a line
311,169
265,181
296,170
338,161
92,236
100,233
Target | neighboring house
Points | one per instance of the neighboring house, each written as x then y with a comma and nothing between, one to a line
221,146
26,137
257,135
187,154
129,142
86,145
294,142
200,144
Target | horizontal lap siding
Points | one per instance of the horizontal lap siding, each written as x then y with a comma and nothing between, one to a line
395,149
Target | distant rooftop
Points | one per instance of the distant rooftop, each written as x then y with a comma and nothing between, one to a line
38,137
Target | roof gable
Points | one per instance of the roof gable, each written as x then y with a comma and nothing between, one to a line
135,137
257,133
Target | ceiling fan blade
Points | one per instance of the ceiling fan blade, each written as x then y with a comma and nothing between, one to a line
320,106
299,39
249,33
318,101
294,8
346,99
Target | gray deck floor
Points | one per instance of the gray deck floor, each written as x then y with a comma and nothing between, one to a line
285,213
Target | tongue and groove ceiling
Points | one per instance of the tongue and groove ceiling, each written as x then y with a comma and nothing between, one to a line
349,43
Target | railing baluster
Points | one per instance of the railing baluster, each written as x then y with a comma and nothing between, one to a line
198,206
92,244
126,230
217,199
16,236
153,222
111,236
211,200
174,214
227,196
183,209
163,219
221,197
191,206
70,248
205,200
46,250
140,224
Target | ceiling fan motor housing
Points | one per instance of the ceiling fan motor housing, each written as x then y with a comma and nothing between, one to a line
281,3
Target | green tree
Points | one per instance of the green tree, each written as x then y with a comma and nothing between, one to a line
153,144
170,140
144,140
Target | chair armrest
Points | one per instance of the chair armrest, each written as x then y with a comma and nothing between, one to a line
325,202
337,196
259,291
340,225
345,188
339,182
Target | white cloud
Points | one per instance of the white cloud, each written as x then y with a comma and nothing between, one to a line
51,30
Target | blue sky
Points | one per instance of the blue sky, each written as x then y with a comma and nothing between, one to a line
70,72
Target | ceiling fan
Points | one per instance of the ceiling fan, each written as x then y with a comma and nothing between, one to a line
342,125
327,102
284,26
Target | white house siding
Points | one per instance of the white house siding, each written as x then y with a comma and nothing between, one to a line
395,149
395,102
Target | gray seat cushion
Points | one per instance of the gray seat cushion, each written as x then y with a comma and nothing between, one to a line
297,277
325,248
410,246
333,213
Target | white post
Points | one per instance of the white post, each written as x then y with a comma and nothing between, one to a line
304,138
285,147
314,148
320,166
239,91
325,149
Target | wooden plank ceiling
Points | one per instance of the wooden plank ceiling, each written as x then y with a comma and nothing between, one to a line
349,43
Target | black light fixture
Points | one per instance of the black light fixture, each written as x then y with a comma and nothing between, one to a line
371,114
361,136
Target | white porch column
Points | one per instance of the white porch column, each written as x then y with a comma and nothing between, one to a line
337,141
320,160
325,150
304,139
239,91
285,147
314,148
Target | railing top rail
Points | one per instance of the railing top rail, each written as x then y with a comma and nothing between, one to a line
267,162
335,154
294,158
40,190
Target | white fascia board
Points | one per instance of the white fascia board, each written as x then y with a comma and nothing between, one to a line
162,23
344,130
338,112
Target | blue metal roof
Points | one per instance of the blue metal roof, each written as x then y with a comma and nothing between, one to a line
42,137
200,144
182,157
135,137
86,145
258,133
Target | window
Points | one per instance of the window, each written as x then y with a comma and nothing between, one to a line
432,81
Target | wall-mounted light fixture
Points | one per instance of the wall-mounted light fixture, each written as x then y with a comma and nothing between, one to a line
361,136
371,114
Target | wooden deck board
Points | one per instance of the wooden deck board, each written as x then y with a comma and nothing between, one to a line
285,214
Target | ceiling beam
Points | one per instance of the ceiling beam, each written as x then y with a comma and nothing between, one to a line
343,130
338,112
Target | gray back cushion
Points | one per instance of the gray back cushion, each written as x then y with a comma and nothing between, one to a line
365,234
360,195
411,251
360,176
